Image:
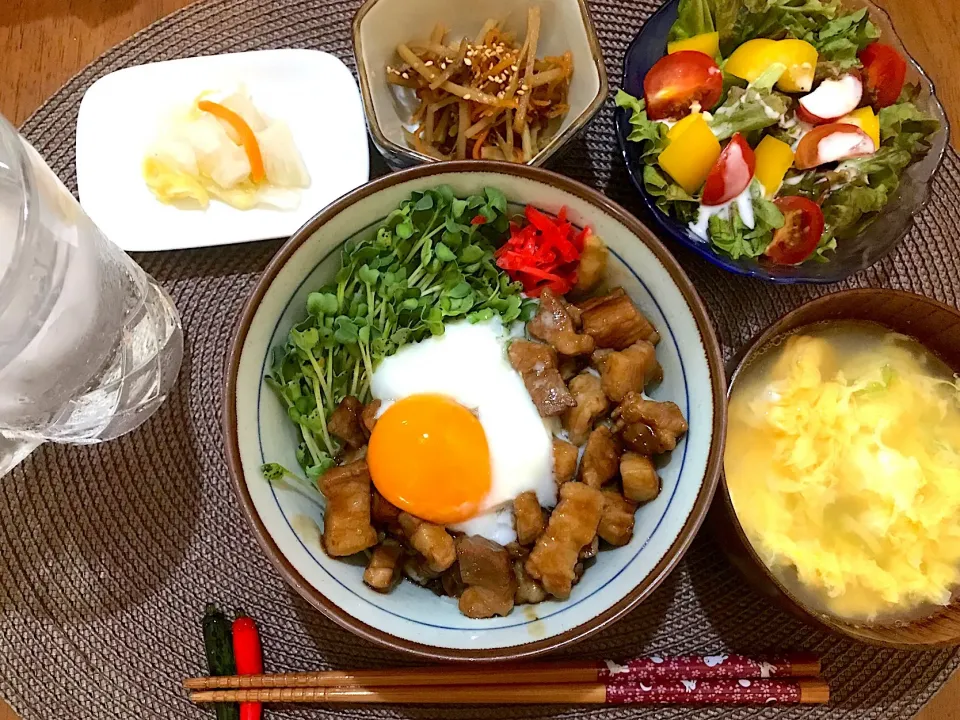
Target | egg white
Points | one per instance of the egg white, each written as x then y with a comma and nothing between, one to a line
468,363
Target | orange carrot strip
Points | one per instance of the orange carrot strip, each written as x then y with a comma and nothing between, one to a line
247,137
478,144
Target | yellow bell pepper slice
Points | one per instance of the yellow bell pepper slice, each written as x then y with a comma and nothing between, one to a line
708,43
864,118
800,57
774,157
752,58
681,126
689,158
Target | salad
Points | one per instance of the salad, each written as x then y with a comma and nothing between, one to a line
776,128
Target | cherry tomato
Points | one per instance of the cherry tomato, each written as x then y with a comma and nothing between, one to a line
830,143
832,99
679,80
884,70
801,231
731,174
807,117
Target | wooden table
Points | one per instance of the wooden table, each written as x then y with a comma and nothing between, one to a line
44,42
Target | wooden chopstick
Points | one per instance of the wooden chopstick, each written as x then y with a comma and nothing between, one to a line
657,692
685,667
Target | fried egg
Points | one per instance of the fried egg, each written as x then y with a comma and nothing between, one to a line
458,437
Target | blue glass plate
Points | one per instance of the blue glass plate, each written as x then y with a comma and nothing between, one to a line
853,254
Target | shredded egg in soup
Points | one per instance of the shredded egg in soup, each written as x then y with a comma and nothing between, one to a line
843,464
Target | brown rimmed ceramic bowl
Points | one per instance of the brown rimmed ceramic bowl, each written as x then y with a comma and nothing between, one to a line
412,619
380,25
937,327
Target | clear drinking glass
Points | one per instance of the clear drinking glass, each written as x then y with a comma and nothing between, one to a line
90,345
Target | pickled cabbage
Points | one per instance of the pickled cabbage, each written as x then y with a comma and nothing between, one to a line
197,156
843,462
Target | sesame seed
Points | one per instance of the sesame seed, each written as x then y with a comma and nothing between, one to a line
524,87
405,76
514,67
466,96
521,91
468,62
428,63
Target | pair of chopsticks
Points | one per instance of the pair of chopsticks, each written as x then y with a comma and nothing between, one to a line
700,680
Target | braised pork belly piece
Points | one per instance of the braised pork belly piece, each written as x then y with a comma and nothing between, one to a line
617,518
433,542
345,423
385,567
601,457
639,477
664,420
572,524
565,456
488,577
613,321
627,370
528,517
590,405
554,324
346,522
537,365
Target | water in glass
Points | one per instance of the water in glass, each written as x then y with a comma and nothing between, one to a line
90,345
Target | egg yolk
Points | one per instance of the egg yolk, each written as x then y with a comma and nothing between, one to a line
428,455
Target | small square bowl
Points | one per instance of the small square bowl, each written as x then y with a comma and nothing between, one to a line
380,25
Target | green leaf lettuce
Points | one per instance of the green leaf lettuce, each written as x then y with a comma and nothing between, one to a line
731,234
650,135
841,39
753,108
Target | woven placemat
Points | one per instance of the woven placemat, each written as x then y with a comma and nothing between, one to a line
108,553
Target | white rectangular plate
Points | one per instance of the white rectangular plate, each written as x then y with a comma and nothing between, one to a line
119,119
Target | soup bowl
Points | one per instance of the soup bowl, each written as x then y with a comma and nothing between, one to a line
412,619
935,326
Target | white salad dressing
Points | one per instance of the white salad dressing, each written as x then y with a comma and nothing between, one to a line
802,129
788,122
770,112
744,203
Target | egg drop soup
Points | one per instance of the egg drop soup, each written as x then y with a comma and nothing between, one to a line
843,466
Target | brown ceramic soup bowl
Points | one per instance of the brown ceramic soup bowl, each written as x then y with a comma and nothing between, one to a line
934,325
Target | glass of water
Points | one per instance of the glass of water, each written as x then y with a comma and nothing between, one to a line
90,345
